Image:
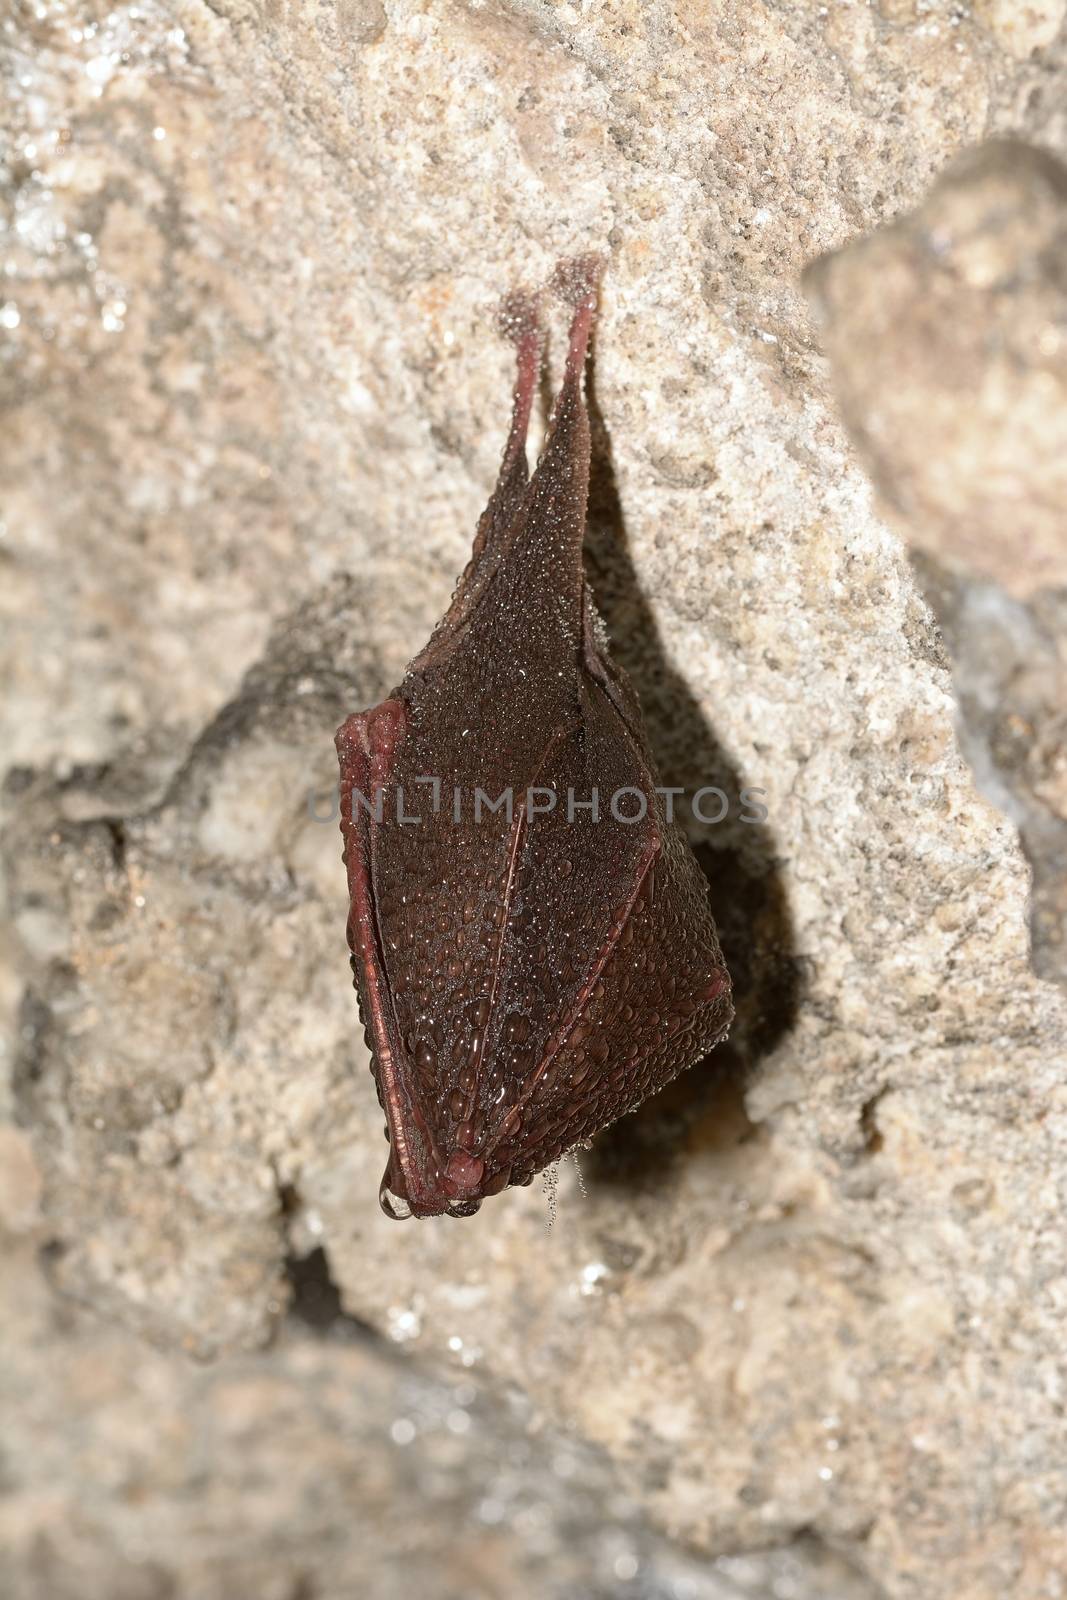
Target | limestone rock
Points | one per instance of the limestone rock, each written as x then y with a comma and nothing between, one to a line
324,1466
253,405
948,337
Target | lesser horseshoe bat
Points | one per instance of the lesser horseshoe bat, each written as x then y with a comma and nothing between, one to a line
528,975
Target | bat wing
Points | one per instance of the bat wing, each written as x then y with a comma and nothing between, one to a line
531,994
592,1010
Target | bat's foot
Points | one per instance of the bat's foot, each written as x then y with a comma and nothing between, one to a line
577,282
519,315
519,320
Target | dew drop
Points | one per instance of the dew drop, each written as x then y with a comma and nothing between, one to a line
714,987
463,1172
394,1205
516,1029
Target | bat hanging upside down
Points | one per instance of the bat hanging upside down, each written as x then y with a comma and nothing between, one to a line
536,953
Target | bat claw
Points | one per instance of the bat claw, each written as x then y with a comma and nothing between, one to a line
519,316
576,280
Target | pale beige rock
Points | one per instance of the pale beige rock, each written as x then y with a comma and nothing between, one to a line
948,337
948,334
20,1182
323,1467
818,1288
1025,28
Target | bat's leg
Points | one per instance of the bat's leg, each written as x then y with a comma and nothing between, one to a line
545,549
520,321
577,282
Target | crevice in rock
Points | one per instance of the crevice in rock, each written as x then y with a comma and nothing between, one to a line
741,861
873,1138
315,1300
116,830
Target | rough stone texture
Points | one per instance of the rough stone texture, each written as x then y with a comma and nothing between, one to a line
253,404
948,336
324,1469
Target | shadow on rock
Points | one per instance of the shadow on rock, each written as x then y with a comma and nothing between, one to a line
704,1107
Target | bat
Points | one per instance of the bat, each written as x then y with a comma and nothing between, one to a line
531,940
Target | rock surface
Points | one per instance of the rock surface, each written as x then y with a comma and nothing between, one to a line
948,337
323,1468
947,333
253,404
